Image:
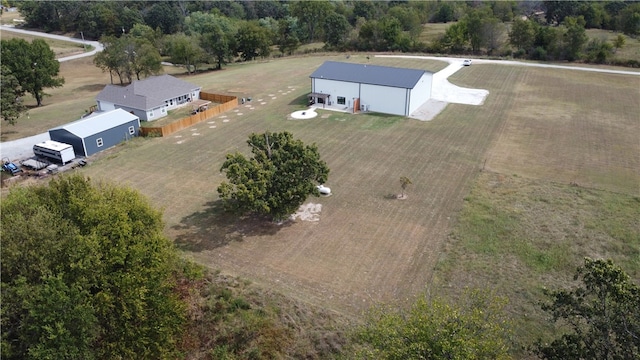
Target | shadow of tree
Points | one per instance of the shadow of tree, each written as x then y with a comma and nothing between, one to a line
92,87
215,227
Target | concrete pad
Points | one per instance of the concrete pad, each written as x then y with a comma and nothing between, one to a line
304,114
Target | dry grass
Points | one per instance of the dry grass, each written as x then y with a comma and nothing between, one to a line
433,31
550,127
8,17
517,236
569,127
60,48
366,248
631,49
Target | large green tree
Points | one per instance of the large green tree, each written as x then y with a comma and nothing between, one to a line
12,106
86,274
33,64
185,50
312,14
474,328
252,41
129,57
575,37
599,318
276,180
336,30
522,34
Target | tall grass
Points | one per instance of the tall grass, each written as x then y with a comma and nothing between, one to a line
518,236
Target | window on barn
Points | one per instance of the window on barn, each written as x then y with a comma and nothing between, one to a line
132,130
163,110
99,142
151,113
341,100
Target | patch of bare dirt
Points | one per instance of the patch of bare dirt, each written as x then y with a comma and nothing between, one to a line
308,212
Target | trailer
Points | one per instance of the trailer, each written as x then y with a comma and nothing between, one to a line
54,150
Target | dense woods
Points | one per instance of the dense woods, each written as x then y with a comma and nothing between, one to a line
221,31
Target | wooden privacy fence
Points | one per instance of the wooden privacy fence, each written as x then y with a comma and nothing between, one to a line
225,102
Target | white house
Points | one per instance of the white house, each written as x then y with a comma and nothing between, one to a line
374,88
149,99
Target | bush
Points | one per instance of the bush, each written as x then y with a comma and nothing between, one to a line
539,53
520,53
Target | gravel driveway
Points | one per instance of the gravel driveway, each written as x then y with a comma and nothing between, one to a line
23,148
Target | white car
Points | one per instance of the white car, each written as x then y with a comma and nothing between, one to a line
466,62
324,190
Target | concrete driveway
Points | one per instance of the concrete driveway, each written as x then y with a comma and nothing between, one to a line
443,92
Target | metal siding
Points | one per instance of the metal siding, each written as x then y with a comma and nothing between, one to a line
337,88
111,137
63,136
421,93
383,99
91,146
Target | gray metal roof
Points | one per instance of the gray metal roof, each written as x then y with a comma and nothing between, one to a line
148,93
98,122
369,74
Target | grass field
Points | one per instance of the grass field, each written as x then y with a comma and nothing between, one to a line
366,247
60,48
506,196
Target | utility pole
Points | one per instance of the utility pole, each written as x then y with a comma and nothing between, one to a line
84,45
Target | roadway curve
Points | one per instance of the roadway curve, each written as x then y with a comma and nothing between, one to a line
97,46
23,148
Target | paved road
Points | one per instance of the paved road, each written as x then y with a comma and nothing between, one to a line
517,63
97,47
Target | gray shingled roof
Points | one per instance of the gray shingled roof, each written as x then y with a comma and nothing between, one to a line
97,122
146,94
368,74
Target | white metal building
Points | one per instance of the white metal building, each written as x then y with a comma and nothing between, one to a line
374,88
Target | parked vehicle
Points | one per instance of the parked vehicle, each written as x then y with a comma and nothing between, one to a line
466,62
10,167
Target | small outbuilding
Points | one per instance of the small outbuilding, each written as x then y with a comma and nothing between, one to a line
364,87
98,131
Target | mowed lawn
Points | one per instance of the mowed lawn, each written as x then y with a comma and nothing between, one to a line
368,247
545,126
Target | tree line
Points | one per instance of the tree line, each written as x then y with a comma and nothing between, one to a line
221,31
